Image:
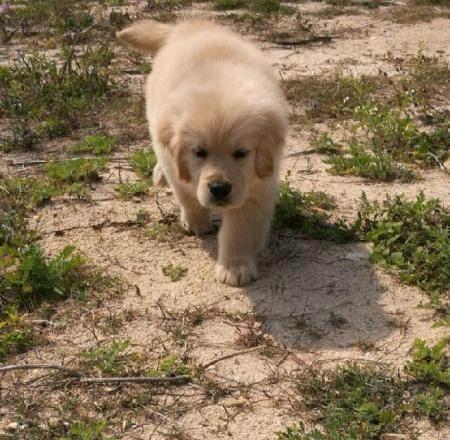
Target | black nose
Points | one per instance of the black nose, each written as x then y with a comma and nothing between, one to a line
219,190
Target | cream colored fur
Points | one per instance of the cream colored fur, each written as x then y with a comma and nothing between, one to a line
211,91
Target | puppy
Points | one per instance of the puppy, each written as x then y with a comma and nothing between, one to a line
218,120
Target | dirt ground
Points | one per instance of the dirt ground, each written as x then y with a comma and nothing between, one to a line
303,283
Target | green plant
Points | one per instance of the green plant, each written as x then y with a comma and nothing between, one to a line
305,213
28,192
174,272
98,144
72,171
109,359
29,278
132,189
86,431
223,5
430,364
143,162
165,231
16,335
411,237
142,216
169,366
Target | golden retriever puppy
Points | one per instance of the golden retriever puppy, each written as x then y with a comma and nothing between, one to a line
218,120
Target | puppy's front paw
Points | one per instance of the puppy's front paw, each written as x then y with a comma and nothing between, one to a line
236,274
197,223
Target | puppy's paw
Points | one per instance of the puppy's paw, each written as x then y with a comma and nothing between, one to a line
159,179
236,273
196,223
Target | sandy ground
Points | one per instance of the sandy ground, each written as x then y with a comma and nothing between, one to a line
303,284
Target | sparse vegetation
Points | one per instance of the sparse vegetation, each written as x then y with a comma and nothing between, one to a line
307,213
364,402
43,99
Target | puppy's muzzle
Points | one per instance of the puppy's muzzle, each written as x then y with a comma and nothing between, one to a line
219,191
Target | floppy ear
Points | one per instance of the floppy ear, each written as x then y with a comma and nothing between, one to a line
264,161
167,138
271,138
181,164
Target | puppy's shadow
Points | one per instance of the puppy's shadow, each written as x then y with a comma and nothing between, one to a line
318,295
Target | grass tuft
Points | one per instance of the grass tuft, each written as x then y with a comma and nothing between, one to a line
306,213
78,170
109,359
132,189
143,162
174,272
411,237
98,144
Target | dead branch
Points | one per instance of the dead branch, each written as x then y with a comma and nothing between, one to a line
81,378
313,39
138,379
39,367
232,355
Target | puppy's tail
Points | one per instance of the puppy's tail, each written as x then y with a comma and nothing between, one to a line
147,35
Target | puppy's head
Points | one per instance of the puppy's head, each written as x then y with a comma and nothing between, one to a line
223,145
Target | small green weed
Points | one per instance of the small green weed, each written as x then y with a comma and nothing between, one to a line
165,231
132,189
411,237
98,144
142,217
109,359
143,162
305,212
174,272
92,430
75,170
169,366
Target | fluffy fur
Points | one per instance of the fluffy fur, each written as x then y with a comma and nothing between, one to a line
217,116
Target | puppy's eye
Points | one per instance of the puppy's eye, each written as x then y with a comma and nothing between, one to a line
201,153
240,153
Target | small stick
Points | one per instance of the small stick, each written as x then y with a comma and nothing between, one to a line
232,355
80,377
313,39
41,366
138,379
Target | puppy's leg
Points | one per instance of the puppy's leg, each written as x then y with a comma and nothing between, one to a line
194,218
243,234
